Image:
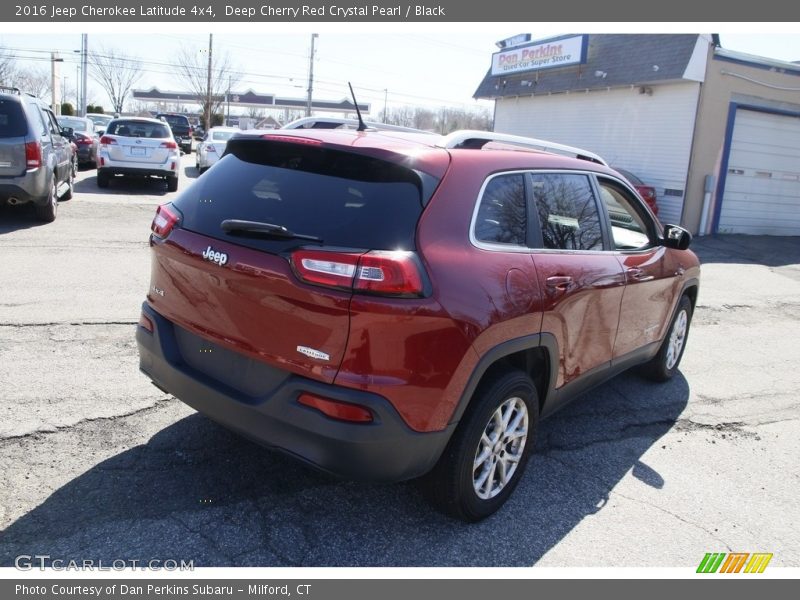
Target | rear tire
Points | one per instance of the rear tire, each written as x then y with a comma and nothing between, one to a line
486,457
48,211
663,366
70,187
102,180
172,184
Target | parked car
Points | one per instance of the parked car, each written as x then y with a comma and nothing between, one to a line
212,147
35,156
100,120
181,128
647,192
138,147
84,137
387,305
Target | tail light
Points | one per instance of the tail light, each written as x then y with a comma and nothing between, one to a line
171,144
33,155
376,272
342,411
82,140
165,220
107,140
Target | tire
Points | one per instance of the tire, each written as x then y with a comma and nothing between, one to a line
458,487
172,184
75,166
48,211
663,366
102,180
70,187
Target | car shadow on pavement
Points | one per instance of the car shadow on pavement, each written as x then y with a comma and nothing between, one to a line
197,492
123,186
191,172
15,218
768,250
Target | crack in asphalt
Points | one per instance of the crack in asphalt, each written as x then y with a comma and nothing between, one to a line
69,323
61,428
610,491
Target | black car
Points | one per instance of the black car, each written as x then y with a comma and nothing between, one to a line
84,136
181,129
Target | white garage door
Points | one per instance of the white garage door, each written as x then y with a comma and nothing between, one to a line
762,187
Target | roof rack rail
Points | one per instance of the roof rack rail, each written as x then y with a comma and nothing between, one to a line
335,123
478,139
8,88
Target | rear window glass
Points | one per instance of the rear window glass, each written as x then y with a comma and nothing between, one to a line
12,119
76,124
347,200
221,136
502,215
176,120
138,129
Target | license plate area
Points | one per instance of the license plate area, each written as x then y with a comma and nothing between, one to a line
138,151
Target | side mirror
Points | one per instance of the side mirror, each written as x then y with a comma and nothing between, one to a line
67,132
676,237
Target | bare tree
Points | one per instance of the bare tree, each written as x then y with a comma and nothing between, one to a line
32,80
7,67
116,72
193,72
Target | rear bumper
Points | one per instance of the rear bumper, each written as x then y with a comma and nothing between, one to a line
31,187
385,450
143,171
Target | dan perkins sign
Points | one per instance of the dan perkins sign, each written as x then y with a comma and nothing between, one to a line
559,52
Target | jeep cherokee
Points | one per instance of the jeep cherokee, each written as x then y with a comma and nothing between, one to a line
387,305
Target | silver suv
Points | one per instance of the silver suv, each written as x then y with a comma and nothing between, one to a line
35,155
138,147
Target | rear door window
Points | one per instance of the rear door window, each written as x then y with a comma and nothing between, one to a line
569,215
12,119
345,200
502,214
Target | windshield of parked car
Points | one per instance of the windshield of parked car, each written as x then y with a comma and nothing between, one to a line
99,119
143,129
76,124
222,136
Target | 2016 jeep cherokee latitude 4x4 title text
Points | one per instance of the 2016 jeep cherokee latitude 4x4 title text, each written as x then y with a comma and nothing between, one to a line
387,305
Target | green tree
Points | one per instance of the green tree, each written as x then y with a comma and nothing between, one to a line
67,109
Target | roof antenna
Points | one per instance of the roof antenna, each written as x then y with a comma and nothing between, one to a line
361,125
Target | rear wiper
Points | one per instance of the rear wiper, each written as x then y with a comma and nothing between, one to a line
258,228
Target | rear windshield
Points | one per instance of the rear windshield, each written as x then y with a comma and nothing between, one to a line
12,119
76,124
176,120
347,200
138,129
99,119
221,136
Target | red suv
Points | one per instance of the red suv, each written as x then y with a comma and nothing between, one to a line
387,305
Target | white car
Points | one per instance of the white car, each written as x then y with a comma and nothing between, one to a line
213,145
138,147
100,121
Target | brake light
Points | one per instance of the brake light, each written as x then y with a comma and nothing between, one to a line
164,221
292,139
83,141
376,272
647,192
332,269
342,411
33,155
172,145
107,140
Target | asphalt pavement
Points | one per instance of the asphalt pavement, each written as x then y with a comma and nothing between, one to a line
96,463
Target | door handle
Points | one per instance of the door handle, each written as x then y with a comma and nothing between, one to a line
560,283
638,274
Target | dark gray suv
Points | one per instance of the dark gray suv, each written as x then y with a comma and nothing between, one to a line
35,155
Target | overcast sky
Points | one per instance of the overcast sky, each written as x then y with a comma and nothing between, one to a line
416,65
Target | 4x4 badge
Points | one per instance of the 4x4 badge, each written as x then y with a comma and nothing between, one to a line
310,352
216,257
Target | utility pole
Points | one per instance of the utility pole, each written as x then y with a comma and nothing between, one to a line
228,99
208,82
311,74
53,78
385,103
84,73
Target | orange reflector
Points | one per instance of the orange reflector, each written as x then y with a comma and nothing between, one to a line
342,411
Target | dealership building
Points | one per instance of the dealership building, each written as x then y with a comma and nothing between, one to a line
716,132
